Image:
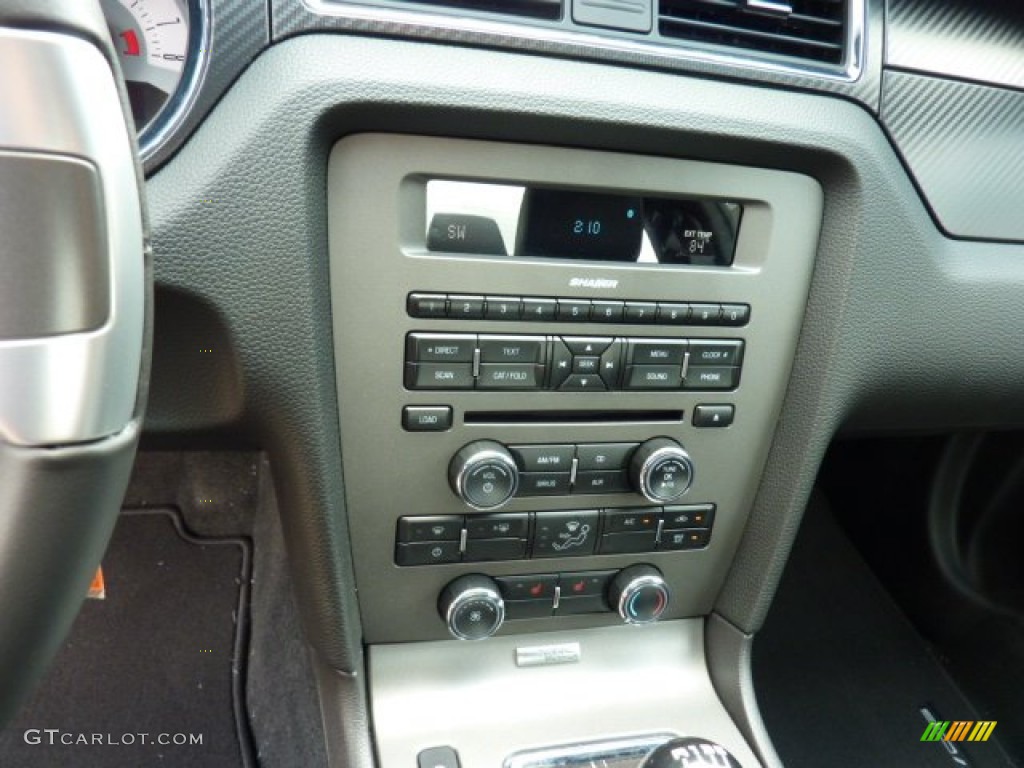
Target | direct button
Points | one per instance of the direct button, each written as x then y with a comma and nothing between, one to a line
426,418
440,347
543,458
511,349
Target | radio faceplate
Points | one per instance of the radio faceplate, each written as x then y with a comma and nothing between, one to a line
393,312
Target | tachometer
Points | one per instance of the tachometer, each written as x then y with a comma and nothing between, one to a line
158,45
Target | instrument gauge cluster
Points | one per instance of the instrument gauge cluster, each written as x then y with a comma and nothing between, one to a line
162,46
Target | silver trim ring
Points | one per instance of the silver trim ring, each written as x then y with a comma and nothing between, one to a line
668,451
488,594
484,456
631,590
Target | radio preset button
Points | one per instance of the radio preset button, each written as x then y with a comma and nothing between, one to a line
466,307
705,314
509,376
735,314
654,377
640,312
439,375
673,314
717,352
540,310
711,377
543,458
607,311
427,305
440,347
573,310
503,308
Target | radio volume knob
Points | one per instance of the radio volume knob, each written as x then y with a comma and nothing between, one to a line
483,474
661,470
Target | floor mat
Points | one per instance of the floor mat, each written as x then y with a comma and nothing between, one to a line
150,675
841,674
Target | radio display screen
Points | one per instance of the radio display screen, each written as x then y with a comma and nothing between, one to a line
542,222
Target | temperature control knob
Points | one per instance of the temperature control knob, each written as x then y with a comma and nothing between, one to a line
472,607
661,470
639,593
483,474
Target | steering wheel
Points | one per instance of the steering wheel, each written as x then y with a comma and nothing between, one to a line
75,298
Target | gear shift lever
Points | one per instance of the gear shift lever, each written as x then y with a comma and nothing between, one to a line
690,751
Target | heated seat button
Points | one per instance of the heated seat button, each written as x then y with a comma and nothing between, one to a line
426,418
713,415
543,458
511,349
505,526
440,347
565,534
528,587
604,456
427,305
433,528
439,375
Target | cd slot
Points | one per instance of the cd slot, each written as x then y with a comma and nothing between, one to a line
574,417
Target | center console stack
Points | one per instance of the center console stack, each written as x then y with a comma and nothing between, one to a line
559,372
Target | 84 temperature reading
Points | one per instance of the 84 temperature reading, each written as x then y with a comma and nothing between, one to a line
581,227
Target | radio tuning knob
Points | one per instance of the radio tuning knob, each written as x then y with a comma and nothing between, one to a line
639,594
472,607
661,470
483,474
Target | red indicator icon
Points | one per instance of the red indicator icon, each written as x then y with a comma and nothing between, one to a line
131,43
579,586
536,589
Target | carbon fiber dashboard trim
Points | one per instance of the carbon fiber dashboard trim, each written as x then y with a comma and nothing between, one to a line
239,30
962,143
979,40
291,17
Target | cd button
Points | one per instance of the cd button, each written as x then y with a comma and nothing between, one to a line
604,456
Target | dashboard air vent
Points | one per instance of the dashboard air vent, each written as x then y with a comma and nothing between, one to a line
812,30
